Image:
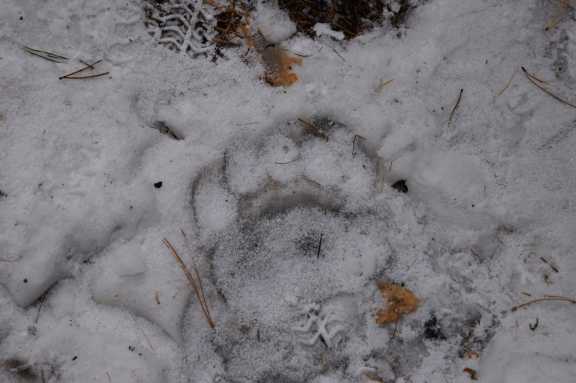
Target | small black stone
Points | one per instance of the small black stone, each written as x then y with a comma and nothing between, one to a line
75,357
25,280
3,194
400,186
158,184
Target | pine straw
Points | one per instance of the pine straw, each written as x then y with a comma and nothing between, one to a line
546,298
540,85
196,283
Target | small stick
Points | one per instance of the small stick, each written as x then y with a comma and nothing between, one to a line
86,66
546,298
320,245
85,77
453,111
534,80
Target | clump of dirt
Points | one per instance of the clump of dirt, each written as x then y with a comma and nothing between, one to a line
351,17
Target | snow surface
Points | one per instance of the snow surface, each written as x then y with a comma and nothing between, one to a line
289,228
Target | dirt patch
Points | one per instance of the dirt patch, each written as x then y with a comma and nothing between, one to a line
351,17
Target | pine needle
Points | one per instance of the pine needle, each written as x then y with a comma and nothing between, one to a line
196,286
86,66
85,77
546,298
537,82
45,55
453,111
508,83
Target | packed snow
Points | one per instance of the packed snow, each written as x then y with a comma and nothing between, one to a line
424,154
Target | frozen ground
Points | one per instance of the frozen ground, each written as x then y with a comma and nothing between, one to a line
290,227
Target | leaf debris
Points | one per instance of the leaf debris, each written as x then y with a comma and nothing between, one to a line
400,301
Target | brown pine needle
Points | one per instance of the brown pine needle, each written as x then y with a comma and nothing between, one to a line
453,111
557,298
507,84
86,66
195,286
85,77
534,80
45,55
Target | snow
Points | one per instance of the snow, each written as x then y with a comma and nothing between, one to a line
282,198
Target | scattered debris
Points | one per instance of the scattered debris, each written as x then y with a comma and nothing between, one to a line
453,111
400,186
46,55
561,14
163,128
432,329
472,373
19,367
400,301
232,25
278,63
313,129
546,298
195,283
538,83
353,18
382,84
157,297
534,326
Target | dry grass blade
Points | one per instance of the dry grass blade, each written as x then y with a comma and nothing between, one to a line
546,298
534,80
46,55
196,286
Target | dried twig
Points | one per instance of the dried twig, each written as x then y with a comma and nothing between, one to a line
544,299
537,82
86,66
196,286
46,55
453,111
